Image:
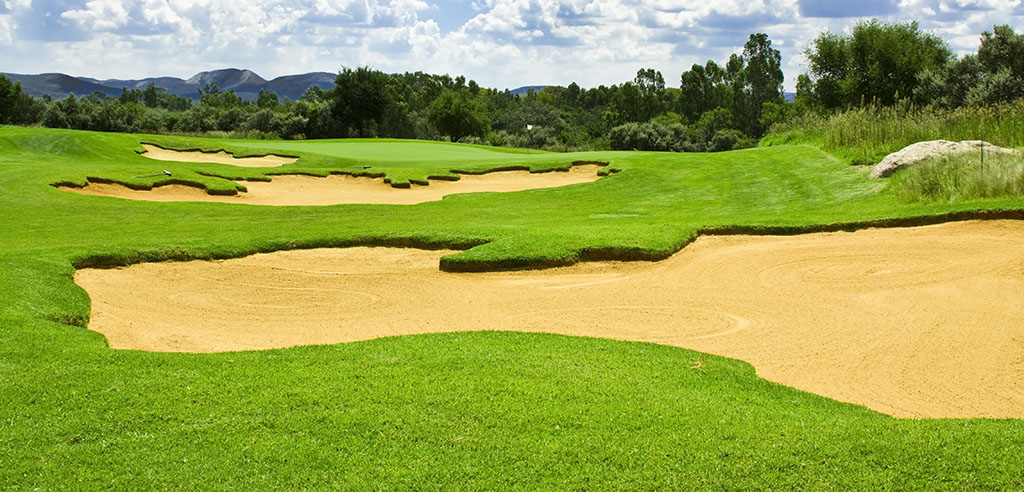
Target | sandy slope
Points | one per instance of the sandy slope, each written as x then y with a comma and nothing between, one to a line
915,322
222,157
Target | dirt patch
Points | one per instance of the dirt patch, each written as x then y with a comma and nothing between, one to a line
915,322
222,157
291,189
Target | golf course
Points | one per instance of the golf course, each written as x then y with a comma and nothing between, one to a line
361,314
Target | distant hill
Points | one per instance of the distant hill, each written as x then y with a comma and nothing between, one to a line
521,91
58,85
245,83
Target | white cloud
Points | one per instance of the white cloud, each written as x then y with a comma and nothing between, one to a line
100,15
6,30
505,43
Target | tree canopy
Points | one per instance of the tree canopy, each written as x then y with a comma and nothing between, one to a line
877,62
361,99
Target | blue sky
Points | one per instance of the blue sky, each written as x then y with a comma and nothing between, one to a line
499,43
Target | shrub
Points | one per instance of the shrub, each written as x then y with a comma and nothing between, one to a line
652,136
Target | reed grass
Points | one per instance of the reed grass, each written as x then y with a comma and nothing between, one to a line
961,177
867,134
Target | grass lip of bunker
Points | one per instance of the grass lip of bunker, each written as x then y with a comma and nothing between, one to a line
157,152
338,189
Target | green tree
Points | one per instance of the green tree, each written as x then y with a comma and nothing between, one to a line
10,96
1002,49
1001,56
211,95
457,114
651,86
714,120
878,63
951,85
702,88
361,99
625,105
763,75
267,99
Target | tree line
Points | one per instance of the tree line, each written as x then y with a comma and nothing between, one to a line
715,106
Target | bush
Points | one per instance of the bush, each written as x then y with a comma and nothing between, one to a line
652,136
724,140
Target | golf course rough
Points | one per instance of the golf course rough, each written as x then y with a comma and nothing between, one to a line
913,322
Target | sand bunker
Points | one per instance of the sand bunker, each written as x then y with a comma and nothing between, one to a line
222,157
341,189
916,322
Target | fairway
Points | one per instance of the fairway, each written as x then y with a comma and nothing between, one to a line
350,344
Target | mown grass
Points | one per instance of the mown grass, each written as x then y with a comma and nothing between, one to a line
961,177
487,410
866,135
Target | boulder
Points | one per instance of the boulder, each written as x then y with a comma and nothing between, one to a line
914,153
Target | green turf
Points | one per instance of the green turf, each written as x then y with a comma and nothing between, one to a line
459,411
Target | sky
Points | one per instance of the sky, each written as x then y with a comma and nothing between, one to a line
499,43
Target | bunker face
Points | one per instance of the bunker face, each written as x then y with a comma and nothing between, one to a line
342,189
222,157
918,322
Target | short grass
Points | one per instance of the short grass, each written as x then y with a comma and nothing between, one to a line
487,410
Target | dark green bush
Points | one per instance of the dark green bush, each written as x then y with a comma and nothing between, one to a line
653,136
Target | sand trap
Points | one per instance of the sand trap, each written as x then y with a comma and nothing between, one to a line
222,157
341,189
916,322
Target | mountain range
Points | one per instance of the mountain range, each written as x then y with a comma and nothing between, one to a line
246,83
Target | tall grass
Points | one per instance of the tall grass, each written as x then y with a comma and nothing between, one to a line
866,135
962,176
